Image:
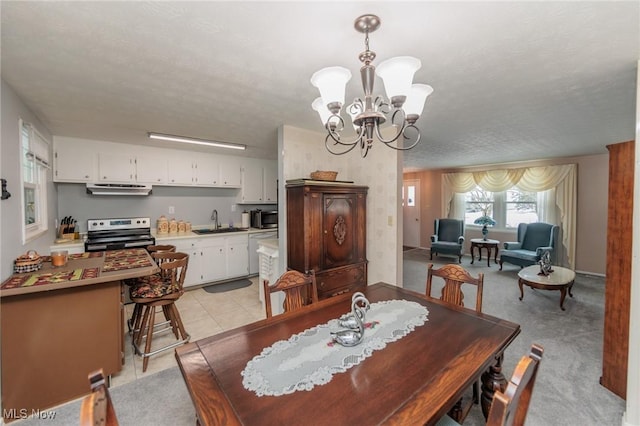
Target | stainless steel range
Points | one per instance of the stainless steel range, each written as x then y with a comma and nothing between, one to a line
118,233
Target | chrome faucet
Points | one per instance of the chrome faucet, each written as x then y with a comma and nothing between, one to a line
214,218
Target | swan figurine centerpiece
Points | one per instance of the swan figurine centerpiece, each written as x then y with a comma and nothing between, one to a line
353,322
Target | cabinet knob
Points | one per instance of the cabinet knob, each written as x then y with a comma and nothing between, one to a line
86,176
325,231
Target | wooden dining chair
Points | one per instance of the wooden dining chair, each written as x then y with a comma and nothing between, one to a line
97,408
455,276
299,290
510,408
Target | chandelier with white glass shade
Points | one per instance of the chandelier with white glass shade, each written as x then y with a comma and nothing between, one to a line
403,107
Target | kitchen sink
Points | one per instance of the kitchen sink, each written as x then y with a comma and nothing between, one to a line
216,231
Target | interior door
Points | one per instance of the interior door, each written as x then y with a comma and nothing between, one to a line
411,213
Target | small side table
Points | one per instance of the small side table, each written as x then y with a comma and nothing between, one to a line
488,244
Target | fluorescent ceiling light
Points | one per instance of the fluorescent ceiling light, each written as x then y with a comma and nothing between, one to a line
195,141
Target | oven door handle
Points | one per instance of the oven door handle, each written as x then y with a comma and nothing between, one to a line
137,244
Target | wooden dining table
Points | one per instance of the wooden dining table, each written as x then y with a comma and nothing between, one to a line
414,380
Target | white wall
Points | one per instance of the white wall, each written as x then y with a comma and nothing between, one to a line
302,152
10,168
632,415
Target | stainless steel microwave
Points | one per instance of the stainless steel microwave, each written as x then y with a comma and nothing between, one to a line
264,219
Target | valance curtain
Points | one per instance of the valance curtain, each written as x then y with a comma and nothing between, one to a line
556,187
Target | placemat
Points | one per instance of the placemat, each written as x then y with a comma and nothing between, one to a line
311,358
117,260
49,278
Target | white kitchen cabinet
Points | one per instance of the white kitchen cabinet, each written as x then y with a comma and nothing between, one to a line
73,160
237,256
207,170
259,181
213,255
216,170
127,168
151,169
213,258
180,170
230,173
189,246
270,182
116,168
83,160
252,191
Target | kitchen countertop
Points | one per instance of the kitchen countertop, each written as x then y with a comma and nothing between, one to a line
80,264
185,235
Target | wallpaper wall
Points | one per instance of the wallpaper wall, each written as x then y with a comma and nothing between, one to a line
302,152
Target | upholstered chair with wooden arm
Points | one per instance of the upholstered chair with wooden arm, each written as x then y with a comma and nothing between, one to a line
534,239
448,238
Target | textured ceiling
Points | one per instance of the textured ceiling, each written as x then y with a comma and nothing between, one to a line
513,80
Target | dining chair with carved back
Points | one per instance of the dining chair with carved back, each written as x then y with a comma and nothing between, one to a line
97,407
455,277
299,290
510,407
164,294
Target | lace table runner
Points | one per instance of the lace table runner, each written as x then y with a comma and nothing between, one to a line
311,358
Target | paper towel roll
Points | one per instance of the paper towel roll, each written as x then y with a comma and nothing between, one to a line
245,220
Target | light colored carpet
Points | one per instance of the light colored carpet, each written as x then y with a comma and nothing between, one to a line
567,391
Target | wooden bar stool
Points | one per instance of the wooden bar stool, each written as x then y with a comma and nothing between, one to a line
137,309
163,293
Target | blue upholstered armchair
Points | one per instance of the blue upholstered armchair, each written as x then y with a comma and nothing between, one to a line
533,240
448,238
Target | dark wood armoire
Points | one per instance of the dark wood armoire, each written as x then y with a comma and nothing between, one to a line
618,270
326,233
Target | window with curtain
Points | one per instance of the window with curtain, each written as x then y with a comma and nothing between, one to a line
508,208
35,162
529,194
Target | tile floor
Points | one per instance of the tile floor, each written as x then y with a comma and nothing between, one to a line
203,314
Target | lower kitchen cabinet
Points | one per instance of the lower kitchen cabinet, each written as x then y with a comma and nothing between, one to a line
213,258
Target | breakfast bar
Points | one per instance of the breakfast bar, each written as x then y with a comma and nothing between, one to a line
60,323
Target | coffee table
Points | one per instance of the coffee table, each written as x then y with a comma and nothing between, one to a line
560,279
488,244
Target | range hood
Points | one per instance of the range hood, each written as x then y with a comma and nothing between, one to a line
118,189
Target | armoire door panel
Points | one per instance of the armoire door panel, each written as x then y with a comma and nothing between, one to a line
339,230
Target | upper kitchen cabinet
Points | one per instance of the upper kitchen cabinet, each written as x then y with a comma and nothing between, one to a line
129,168
259,181
217,170
230,172
181,170
73,160
82,160
152,169
116,168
